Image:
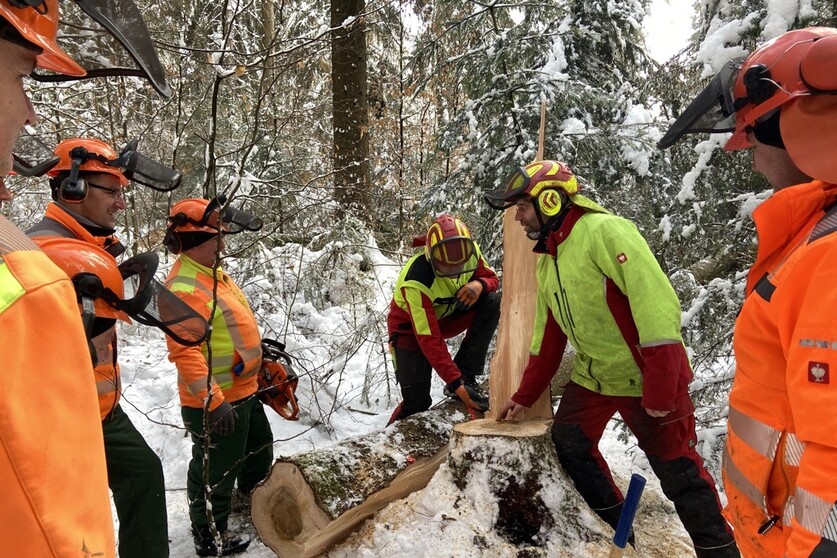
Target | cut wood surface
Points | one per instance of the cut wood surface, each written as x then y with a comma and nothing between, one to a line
517,312
513,467
311,501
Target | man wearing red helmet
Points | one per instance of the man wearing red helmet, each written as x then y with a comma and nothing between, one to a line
781,448
445,290
218,379
87,187
601,289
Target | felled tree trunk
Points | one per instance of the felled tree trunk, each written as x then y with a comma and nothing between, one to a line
311,501
513,465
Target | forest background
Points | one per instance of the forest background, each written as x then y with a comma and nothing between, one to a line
347,125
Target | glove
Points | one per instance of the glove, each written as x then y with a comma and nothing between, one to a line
472,398
469,293
222,419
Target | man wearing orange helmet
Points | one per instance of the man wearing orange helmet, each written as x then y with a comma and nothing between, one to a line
217,380
601,289
781,448
442,291
52,463
87,187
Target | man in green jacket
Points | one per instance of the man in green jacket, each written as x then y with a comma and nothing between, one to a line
601,289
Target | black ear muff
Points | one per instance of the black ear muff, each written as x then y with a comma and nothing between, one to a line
551,202
171,241
760,86
88,285
72,191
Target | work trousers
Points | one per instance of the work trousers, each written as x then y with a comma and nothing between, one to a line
413,371
244,456
135,476
668,442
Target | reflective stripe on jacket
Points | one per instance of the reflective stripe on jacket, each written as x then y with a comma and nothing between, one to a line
52,460
235,341
780,462
58,223
421,300
600,288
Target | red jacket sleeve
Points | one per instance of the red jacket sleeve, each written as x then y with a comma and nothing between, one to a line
666,373
487,277
432,343
542,367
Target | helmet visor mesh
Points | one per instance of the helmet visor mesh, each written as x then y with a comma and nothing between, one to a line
453,256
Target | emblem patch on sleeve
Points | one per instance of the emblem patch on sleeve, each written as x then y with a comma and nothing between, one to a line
622,258
818,372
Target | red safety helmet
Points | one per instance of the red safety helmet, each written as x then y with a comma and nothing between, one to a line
38,25
94,273
449,247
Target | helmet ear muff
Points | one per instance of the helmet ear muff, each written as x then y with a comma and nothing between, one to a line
72,191
172,242
551,201
760,86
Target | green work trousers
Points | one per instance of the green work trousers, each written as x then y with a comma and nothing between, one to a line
244,456
135,477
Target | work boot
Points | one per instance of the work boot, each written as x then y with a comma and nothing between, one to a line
230,544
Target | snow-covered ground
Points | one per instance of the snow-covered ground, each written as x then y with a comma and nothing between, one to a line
435,522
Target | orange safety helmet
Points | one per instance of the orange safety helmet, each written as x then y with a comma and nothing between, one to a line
449,247
94,154
793,65
195,215
790,79
38,24
94,273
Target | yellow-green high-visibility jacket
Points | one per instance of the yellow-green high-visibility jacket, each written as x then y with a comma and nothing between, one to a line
600,287
234,342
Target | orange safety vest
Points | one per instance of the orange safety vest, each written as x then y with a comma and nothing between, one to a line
52,459
780,460
236,351
106,374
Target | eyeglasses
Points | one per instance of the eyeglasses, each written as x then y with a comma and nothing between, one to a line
111,192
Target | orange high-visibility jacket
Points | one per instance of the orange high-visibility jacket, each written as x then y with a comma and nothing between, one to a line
106,373
52,459
780,463
234,340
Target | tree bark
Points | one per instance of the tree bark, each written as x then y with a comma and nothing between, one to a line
311,501
349,106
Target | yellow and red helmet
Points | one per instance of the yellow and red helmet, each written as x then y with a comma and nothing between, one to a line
38,25
94,273
449,247
546,183
91,155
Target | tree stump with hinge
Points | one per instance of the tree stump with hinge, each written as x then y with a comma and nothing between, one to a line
513,466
